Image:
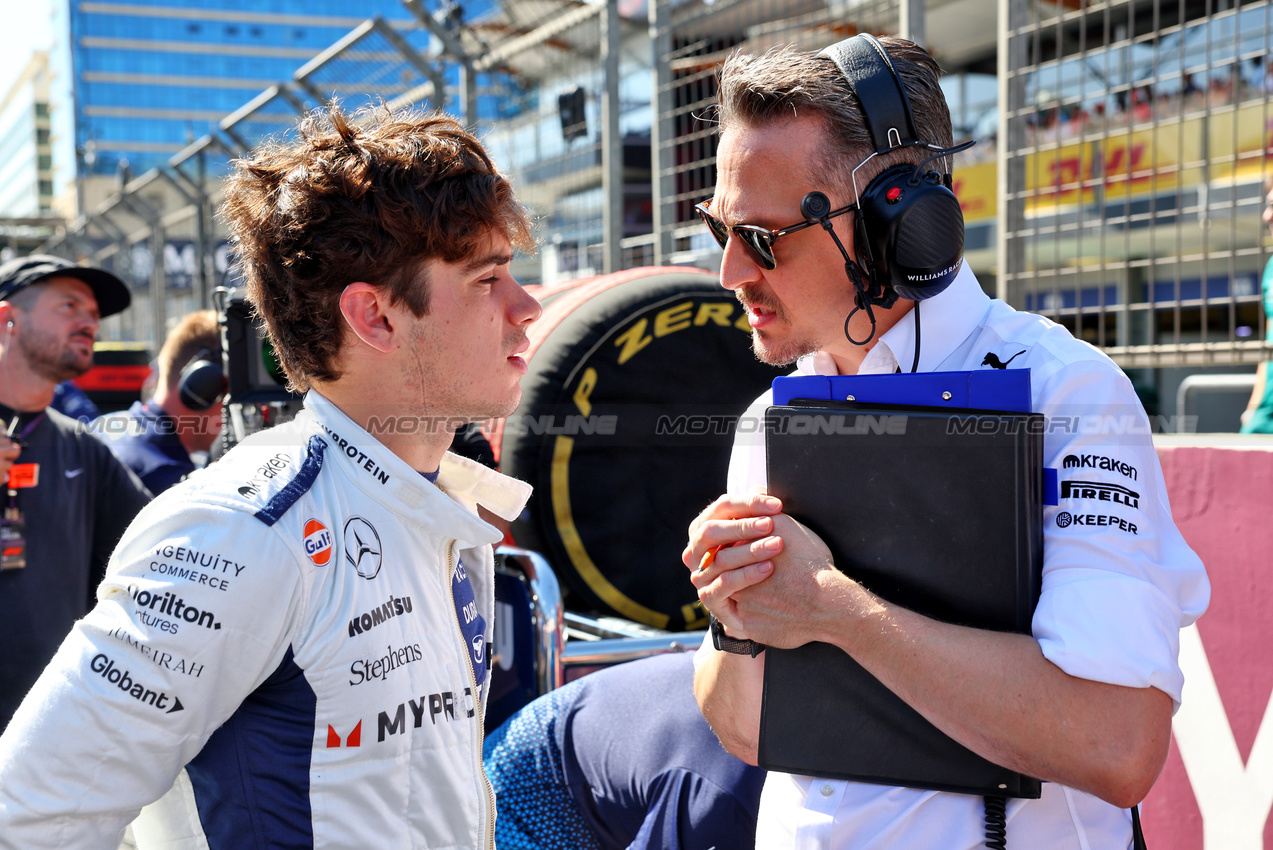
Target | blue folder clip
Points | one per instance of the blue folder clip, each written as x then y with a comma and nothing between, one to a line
993,389
988,389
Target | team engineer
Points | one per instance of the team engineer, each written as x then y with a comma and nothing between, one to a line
289,648
156,439
1086,703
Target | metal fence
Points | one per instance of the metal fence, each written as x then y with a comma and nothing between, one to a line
1134,141
1117,191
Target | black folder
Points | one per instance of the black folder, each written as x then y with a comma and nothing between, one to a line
939,510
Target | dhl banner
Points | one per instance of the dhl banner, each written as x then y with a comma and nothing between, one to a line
1154,160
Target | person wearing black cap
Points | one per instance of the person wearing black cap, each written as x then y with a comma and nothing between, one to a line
68,499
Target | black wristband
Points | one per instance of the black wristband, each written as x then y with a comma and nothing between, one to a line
725,643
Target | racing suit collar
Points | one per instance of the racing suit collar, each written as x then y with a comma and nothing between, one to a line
379,471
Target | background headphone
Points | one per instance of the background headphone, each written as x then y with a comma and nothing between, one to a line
203,381
909,227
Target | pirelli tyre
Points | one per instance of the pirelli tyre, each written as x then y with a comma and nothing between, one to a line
635,384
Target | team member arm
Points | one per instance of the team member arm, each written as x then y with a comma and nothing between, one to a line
1000,695
126,703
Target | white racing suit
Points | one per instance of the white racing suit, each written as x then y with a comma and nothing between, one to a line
288,651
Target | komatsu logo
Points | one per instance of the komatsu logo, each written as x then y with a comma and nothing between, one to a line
393,607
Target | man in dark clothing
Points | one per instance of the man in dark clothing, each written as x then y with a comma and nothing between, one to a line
621,758
68,499
156,439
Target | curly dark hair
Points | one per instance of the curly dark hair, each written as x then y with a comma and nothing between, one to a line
369,197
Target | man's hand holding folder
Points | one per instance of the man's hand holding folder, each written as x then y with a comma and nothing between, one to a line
767,612
994,692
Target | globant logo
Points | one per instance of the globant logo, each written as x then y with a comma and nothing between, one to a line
105,667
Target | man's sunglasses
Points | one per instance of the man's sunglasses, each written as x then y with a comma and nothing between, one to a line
758,241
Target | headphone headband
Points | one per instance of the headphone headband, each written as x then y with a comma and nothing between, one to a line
864,63
909,231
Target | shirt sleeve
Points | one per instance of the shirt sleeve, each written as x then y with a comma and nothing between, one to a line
1119,581
197,609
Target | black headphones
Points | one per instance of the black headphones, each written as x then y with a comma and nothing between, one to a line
909,227
203,381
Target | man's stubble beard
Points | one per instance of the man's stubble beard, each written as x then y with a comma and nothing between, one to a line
50,360
783,354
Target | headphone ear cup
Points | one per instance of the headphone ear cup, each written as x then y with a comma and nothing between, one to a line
202,385
916,231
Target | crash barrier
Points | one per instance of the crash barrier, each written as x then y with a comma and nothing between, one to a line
636,380
1217,787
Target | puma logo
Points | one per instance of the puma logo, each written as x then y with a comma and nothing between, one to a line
993,361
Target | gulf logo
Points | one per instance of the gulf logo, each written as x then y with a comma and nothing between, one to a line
318,542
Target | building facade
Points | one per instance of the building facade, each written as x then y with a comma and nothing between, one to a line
138,82
26,164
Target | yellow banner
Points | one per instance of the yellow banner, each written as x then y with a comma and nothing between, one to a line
975,187
1149,161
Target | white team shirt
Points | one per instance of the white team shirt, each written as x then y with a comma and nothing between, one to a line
1119,581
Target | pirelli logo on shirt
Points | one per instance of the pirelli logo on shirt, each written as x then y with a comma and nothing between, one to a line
1101,492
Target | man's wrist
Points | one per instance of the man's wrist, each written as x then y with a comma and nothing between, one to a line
725,643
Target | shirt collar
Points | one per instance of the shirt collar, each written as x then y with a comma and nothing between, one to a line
945,319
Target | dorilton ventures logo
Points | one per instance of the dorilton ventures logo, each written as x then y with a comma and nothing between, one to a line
318,542
105,667
366,622
170,605
362,547
1101,492
1108,464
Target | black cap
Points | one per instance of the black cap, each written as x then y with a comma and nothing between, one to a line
111,293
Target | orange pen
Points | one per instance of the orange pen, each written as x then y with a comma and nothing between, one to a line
708,557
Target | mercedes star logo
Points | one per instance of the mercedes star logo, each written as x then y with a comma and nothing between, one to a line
362,546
